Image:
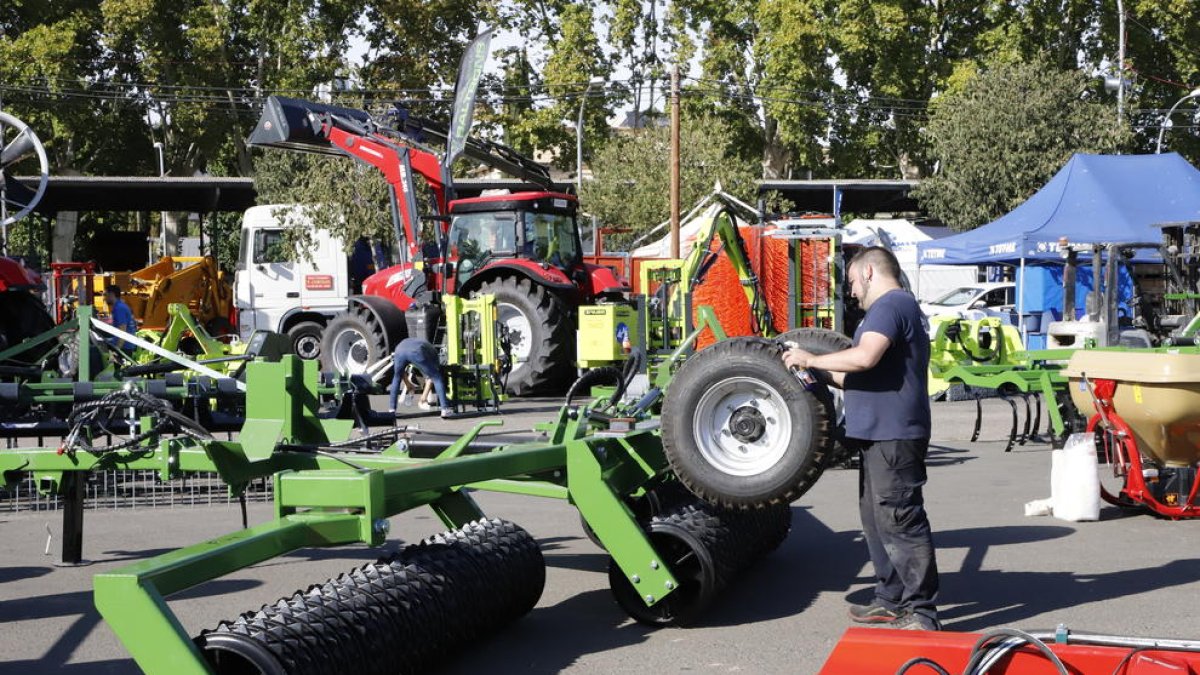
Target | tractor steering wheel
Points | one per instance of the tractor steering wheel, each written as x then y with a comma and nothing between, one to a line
16,148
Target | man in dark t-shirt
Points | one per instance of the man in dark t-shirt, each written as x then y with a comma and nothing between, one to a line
884,375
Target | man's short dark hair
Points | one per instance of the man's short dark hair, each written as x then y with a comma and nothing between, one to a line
880,258
114,289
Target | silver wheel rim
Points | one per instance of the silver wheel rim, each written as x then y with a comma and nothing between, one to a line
742,426
520,332
351,352
307,347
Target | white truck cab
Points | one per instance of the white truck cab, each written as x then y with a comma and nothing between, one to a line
273,292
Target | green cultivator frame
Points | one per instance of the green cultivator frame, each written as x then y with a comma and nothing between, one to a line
671,552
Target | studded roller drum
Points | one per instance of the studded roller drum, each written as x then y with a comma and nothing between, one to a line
706,547
402,614
739,429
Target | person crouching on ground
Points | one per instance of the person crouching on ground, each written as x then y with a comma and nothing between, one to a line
884,375
424,357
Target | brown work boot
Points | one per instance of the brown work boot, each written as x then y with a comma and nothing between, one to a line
873,613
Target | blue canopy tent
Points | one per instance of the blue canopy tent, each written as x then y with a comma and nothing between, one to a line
1092,199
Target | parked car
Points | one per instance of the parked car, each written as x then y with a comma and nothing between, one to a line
974,301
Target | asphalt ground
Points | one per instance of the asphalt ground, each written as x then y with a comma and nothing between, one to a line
1126,574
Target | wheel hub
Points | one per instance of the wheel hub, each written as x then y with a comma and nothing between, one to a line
742,426
747,424
520,331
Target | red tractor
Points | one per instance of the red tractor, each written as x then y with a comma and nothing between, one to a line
523,247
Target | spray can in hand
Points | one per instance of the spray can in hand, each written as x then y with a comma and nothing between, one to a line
804,375
806,378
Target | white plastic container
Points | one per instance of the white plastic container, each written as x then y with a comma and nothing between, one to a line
1075,480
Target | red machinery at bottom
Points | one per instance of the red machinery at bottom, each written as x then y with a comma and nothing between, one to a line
870,651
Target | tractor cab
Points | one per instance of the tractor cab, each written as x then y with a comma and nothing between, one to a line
534,230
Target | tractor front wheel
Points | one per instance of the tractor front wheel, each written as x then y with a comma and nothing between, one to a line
352,343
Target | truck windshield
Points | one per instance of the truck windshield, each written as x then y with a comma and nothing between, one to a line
474,237
551,237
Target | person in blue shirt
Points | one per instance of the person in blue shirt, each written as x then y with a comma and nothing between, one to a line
423,356
122,317
884,376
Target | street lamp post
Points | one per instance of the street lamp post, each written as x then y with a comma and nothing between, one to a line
579,135
162,215
1167,119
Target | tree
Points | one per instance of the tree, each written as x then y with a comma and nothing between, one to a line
631,187
1003,133
344,196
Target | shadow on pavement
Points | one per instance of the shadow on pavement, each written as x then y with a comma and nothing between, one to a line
79,604
8,574
585,623
1008,597
973,598
812,560
944,455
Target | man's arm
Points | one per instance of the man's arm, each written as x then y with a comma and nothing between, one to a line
864,356
870,349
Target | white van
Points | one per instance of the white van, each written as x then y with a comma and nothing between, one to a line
273,292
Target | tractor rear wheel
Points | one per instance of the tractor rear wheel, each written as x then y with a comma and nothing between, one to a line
352,343
739,430
539,328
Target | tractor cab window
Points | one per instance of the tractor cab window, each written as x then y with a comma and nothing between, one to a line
269,247
552,238
476,237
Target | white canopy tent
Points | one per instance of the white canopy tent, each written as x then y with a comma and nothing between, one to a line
901,236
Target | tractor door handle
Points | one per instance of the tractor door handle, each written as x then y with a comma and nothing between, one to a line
293,294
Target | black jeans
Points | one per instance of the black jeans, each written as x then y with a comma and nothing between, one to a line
896,528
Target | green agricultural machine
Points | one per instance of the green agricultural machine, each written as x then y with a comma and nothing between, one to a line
682,503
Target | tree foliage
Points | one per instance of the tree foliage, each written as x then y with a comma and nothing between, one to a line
853,88
1003,134
341,195
631,185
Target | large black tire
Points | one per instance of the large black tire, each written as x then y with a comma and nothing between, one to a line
352,342
824,341
739,430
306,339
543,343
23,316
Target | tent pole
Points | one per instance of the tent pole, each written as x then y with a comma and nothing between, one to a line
1021,302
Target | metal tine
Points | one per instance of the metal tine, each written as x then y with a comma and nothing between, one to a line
978,417
1012,433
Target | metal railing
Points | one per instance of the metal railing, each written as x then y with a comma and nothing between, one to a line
121,489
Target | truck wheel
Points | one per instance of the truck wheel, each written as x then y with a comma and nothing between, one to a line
824,341
541,337
352,343
306,339
739,430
